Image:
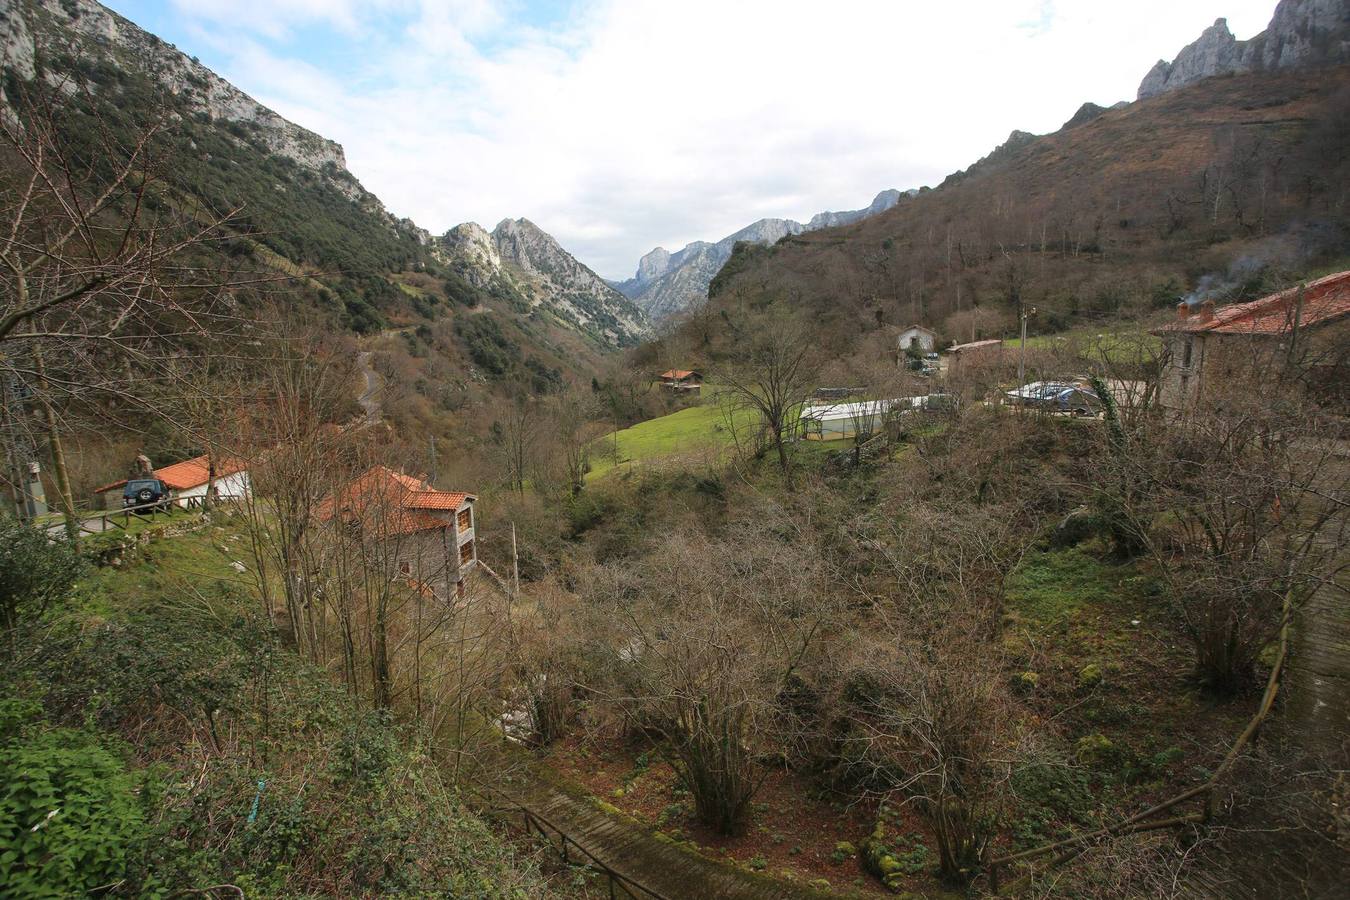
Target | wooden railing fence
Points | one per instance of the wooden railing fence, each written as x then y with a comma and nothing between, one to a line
568,849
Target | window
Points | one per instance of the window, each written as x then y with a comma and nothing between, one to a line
465,519
466,553
1186,352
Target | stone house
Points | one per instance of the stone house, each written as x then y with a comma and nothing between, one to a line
1297,338
421,535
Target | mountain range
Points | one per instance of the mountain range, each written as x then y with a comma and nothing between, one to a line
296,197
668,283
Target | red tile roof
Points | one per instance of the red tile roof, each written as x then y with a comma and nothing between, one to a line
1324,300
678,374
403,497
189,473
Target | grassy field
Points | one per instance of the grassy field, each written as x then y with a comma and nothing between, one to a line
703,432
1117,346
697,430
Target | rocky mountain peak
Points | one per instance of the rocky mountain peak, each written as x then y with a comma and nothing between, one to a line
667,283
653,265
1301,34
473,242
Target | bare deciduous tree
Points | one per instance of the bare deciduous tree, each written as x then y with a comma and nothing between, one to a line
772,371
702,639
94,269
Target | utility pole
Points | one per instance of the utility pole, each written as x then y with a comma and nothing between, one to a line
25,473
1022,351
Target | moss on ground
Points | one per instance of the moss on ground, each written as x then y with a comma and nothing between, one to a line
1050,586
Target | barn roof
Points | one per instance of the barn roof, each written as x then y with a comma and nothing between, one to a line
678,374
1324,300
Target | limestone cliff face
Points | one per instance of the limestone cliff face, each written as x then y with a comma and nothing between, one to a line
653,265
668,283
86,28
472,244
519,259
1301,34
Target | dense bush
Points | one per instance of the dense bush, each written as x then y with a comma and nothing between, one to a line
182,745
70,821
34,571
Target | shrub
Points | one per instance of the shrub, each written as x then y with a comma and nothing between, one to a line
1095,750
69,818
34,572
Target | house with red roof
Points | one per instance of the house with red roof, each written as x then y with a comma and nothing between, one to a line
189,479
427,533
681,380
1298,336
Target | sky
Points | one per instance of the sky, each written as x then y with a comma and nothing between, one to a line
622,125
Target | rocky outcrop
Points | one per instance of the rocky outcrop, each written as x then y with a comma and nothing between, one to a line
1302,34
1086,113
882,202
88,29
520,259
668,283
472,244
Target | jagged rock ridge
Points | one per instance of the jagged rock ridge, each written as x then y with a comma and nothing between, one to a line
519,259
668,283
1301,34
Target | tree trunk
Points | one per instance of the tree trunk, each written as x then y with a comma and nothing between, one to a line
58,452
210,483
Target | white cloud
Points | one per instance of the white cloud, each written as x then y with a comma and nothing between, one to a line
644,122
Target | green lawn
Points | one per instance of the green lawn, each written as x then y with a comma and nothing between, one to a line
697,429
1123,346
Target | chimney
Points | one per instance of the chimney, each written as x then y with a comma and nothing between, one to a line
1183,311
1207,311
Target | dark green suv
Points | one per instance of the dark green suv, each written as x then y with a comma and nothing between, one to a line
147,492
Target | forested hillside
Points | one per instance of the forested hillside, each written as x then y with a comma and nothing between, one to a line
1240,181
296,227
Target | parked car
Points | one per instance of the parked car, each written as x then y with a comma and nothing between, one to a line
1037,393
146,492
1078,401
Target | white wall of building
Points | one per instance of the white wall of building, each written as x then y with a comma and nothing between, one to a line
921,338
231,487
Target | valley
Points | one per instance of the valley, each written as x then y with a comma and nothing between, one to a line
988,540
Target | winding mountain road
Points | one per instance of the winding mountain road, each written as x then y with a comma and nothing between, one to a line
373,385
